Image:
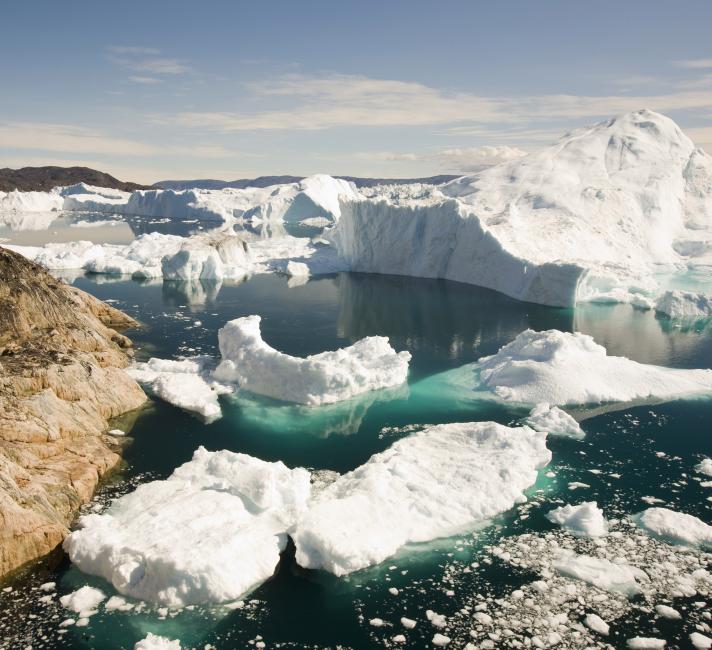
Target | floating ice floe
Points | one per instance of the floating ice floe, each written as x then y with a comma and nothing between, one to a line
444,480
563,368
684,305
600,572
155,642
325,378
645,643
83,601
583,520
209,533
675,527
704,466
554,421
185,383
585,219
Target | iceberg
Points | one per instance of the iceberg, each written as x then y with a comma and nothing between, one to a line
181,383
554,421
563,368
583,520
210,532
211,256
684,305
155,642
441,481
585,219
325,378
675,527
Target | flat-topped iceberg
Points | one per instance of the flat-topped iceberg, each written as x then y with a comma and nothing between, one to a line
584,219
675,527
438,482
563,368
325,378
209,533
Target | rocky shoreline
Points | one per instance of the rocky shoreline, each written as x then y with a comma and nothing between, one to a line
61,380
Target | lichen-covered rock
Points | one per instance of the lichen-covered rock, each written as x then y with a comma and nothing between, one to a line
61,379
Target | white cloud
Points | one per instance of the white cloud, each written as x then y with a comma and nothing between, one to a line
38,136
161,65
461,159
145,80
131,49
695,64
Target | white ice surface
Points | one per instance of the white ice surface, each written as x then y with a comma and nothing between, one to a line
604,574
155,642
209,533
83,601
585,219
554,421
704,466
441,481
684,305
563,368
583,520
325,378
675,527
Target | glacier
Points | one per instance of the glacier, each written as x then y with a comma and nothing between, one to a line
325,378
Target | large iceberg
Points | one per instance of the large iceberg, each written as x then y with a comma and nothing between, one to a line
585,219
325,378
563,368
675,527
209,533
442,481
313,197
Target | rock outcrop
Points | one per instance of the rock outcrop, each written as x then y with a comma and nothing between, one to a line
61,379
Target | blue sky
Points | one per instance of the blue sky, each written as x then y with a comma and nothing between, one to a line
158,89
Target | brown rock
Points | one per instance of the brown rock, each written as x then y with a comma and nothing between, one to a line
61,379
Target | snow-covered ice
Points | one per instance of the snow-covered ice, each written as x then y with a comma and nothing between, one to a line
600,572
209,533
675,527
704,466
325,378
684,305
435,483
597,624
585,219
83,601
585,519
554,421
184,383
563,368
212,256
645,643
155,642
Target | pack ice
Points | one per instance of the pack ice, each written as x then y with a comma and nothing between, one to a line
325,378
563,368
585,219
439,482
315,197
209,533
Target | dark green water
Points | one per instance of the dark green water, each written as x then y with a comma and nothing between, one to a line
444,325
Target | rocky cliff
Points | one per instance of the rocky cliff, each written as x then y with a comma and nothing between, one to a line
61,378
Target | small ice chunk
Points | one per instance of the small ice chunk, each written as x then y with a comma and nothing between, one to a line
407,623
155,642
597,624
601,573
376,622
297,269
645,643
84,599
369,364
675,527
583,520
440,640
554,421
665,611
704,466
116,432
700,641
399,638
48,586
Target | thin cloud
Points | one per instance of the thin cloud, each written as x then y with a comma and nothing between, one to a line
132,50
460,159
695,64
145,80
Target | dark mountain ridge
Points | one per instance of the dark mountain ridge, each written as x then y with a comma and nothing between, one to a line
43,179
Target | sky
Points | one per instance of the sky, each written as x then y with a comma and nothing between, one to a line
162,89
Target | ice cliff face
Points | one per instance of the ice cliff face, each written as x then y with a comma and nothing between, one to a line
584,219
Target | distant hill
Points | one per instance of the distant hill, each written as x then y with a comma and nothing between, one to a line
265,181
43,179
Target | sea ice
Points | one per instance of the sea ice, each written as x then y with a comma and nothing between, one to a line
554,421
645,643
84,600
563,368
583,520
684,305
704,466
209,533
604,574
155,642
435,483
675,527
369,364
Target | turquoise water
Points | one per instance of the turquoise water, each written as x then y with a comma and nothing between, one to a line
444,325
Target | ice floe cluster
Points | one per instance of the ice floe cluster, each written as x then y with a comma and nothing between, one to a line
215,528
